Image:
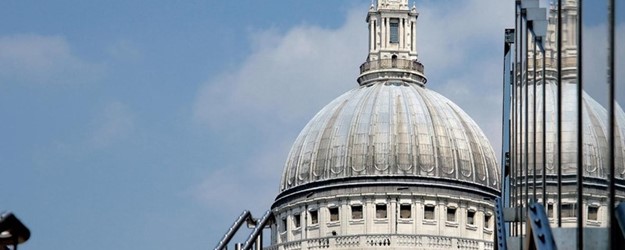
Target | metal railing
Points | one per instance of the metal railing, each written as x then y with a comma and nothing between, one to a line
246,216
551,63
537,63
256,237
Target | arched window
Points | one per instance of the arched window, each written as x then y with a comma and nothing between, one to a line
394,61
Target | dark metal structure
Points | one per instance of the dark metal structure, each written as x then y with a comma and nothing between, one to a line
544,53
255,240
12,231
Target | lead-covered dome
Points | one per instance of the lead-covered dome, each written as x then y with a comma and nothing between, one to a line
391,129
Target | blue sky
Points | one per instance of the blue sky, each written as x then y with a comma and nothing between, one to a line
153,124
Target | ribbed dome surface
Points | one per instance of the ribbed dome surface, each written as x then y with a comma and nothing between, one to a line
391,129
595,132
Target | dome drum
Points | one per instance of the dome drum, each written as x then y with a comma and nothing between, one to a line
364,214
407,185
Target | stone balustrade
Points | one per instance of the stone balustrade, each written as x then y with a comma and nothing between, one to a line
401,64
384,241
392,69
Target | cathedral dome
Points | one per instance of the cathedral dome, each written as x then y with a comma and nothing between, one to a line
390,130
390,162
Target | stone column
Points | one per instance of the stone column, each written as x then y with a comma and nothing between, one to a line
384,32
378,34
368,215
414,36
401,34
391,210
371,34
323,216
344,215
302,223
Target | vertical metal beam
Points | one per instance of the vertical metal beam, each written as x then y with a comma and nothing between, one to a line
507,135
544,147
521,123
514,151
580,138
559,123
620,219
505,118
501,235
534,113
611,120
526,120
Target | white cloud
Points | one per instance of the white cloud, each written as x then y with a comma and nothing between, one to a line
36,59
125,50
290,76
113,123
